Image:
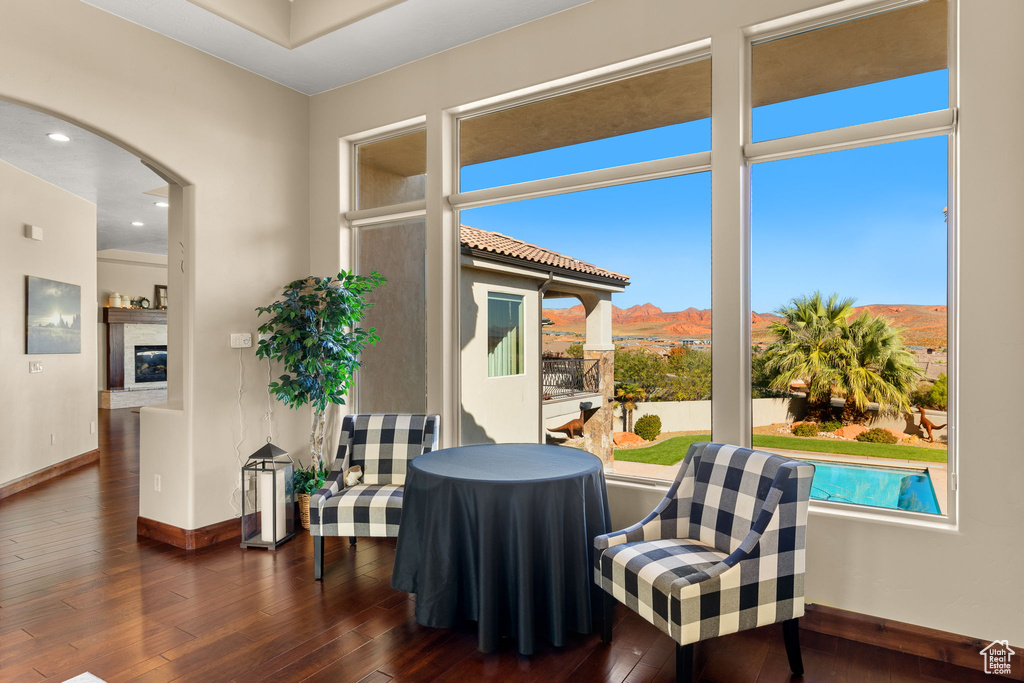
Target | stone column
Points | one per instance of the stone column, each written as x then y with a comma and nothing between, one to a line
598,422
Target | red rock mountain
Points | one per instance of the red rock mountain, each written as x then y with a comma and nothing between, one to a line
922,325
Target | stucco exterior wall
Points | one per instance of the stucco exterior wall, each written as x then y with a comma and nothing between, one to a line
498,409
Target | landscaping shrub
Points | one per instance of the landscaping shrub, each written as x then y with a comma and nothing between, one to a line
830,426
877,435
806,429
931,394
648,427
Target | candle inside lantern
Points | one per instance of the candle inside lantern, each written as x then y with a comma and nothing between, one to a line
272,504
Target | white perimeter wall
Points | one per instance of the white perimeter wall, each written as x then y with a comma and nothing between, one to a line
60,400
964,579
688,416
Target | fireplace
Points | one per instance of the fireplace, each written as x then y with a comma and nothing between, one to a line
136,358
151,363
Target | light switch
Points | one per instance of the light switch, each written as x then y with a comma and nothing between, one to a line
35,366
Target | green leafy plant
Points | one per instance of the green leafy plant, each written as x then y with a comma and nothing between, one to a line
574,350
931,394
806,429
314,334
648,427
830,426
309,479
877,435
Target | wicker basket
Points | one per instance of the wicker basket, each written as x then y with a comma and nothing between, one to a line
304,509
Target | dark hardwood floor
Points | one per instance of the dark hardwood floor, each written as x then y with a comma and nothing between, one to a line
79,592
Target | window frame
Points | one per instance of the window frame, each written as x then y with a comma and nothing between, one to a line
729,164
351,221
612,176
520,299
915,126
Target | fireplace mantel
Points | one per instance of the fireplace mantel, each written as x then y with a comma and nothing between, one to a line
134,316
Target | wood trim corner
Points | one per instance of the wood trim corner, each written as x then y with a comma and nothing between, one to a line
189,539
54,470
896,635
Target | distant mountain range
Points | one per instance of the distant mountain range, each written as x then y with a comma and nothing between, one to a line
921,325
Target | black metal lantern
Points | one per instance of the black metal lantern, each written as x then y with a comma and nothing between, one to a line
268,498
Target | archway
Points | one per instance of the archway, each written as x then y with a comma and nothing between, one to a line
50,251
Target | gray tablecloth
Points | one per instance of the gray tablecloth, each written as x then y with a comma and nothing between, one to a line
503,535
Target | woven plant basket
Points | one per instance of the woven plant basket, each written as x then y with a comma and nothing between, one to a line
304,509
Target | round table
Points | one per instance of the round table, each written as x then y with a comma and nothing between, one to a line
503,534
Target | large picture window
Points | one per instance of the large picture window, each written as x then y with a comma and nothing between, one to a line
505,354
596,204
580,220
850,257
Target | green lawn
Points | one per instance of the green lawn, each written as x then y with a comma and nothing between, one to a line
671,451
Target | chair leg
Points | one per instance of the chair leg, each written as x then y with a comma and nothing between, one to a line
607,616
318,557
684,663
352,540
791,634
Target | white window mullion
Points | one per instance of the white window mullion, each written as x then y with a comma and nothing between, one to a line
877,132
730,245
588,180
387,214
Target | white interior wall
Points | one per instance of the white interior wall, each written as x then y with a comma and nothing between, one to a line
964,580
238,228
60,400
125,272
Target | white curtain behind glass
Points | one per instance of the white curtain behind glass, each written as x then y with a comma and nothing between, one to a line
504,335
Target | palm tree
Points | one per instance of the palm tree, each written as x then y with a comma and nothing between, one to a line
862,361
628,395
811,346
879,368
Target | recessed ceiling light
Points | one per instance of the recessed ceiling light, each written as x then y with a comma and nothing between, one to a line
59,137
138,224
162,205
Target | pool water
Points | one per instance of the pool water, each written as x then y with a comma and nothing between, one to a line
886,487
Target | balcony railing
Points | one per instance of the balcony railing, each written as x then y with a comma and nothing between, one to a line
566,377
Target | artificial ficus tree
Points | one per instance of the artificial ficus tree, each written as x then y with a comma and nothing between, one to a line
314,334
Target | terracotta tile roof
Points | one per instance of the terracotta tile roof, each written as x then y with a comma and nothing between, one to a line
502,245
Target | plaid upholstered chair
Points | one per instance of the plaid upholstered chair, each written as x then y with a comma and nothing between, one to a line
382,445
723,552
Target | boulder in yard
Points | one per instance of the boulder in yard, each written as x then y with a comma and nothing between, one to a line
897,433
850,431
627,439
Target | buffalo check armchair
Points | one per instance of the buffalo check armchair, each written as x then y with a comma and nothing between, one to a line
723,552
382,445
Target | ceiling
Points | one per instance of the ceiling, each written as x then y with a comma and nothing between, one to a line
396,35
92,168
117,182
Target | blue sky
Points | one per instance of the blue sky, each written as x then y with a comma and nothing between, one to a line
866,223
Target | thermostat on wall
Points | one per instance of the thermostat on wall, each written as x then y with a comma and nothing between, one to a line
33,232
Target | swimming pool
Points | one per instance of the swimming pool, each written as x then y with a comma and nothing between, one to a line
886,487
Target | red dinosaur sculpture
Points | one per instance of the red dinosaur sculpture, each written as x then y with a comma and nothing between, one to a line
571,427
929,425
